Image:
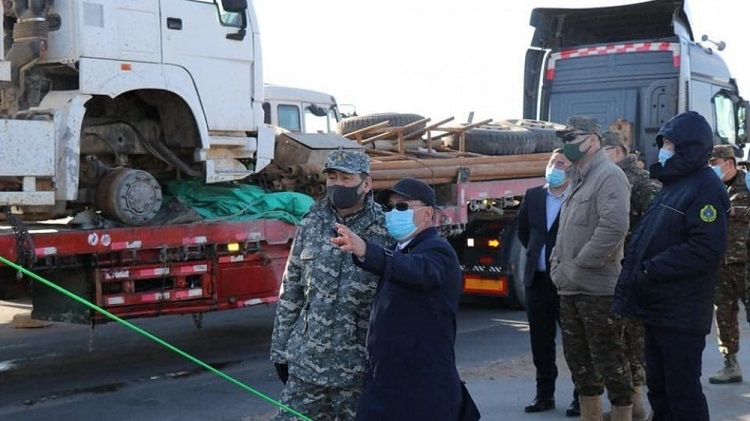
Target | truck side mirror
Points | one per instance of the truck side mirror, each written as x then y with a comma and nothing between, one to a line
742,123
237,6
234,6
317,110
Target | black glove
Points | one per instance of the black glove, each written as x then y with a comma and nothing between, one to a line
282,370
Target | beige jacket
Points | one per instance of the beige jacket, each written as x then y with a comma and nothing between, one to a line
593,222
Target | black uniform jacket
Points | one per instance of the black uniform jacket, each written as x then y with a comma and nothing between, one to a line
411,372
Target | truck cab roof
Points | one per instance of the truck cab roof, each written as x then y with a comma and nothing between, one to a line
560,28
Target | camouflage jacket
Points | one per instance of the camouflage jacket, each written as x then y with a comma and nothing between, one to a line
739,197
643,189
324,303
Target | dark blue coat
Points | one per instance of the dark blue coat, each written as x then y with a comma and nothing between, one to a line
532,230
411,372
669,273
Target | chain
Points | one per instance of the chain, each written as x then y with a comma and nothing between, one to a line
24,243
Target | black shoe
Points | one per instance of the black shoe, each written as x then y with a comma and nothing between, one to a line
574,410
540,404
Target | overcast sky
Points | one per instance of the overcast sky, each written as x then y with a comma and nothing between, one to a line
439,58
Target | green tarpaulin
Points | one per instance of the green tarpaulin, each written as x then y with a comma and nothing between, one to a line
239,202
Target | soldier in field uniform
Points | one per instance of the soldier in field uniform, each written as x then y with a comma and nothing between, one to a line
730,286
318,341
643,189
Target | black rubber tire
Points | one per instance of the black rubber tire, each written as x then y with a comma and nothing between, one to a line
498,139
516,298
351,124
544,132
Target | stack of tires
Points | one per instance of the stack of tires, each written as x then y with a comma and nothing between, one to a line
512,137
502,137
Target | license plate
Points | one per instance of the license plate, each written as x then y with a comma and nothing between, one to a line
478,285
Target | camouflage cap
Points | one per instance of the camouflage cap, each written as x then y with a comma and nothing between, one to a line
581,124
348,161
723,152
610,138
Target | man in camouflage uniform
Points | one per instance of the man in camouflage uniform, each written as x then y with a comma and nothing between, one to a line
730,286
584,266
643,189
318,342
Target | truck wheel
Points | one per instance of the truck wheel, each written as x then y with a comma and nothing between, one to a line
498,139
130,196
544,132
516,298
351,124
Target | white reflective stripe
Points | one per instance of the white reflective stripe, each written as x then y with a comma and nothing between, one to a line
113,301
45,251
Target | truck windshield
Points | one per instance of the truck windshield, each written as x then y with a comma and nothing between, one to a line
323,124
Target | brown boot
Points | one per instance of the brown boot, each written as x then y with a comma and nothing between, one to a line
622,413
640,413
591,408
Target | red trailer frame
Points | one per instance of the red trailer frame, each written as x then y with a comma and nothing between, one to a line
151,271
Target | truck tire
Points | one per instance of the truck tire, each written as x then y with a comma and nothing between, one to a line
516,298
544,132
351,124
498,139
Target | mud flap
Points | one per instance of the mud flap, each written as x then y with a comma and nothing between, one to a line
51,305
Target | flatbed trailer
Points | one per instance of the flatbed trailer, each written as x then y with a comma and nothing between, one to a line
151,271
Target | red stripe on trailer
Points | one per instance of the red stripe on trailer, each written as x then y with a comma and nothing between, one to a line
127,245
152,272
189,241
190,293
628,47
193,269
71,242
45,251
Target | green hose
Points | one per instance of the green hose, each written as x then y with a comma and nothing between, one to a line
153,338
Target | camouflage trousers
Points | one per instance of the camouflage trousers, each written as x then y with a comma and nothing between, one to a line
634,339
320,403
730,290
592,344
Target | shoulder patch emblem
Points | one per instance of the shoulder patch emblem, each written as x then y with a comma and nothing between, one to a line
708,213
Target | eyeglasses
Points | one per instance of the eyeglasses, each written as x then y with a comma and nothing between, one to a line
400,206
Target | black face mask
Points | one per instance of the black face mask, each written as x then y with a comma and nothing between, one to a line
343,197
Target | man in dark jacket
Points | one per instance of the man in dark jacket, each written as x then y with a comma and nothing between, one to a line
670,269
411,373
537,229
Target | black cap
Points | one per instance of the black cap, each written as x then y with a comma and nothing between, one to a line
410,188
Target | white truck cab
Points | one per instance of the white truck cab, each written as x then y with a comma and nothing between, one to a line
300,110
102,101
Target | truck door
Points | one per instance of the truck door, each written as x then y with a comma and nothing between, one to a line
195,38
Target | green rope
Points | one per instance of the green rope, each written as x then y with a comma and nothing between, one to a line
153,338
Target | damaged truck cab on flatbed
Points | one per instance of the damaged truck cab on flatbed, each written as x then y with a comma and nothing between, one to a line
102,103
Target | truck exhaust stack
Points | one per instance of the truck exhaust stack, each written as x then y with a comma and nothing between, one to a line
29,35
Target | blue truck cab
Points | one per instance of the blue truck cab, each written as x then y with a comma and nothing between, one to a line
633,67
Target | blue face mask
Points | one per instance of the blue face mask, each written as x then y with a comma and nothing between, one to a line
400,224
664,155
718,171
555,177
747,179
